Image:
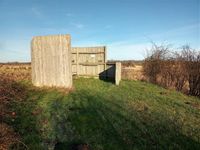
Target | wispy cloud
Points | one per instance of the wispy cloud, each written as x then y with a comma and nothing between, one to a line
36,12
108,26
86,43
128,49
69,14
15,50
180,31
125,50
1,45
15,55
78,25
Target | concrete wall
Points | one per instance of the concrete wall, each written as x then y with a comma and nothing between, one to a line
113,72
118,73
51,61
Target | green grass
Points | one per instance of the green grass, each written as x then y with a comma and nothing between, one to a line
134,115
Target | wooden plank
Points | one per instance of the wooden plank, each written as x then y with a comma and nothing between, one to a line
105,58
89,52
91,64
77,62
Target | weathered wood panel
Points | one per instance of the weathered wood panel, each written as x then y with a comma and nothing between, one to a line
88,61
51,61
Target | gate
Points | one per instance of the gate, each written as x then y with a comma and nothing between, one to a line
88,61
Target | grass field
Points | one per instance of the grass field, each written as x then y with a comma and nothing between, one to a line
134,115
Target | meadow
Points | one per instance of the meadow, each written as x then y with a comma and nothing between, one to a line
99,115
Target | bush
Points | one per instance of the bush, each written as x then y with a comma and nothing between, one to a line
177,70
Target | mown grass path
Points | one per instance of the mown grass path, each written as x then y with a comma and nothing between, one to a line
134,115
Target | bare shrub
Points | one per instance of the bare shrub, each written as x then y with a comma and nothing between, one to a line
192,65
174,69
153,63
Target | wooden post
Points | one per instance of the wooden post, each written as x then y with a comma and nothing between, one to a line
117,73
105,50
77,62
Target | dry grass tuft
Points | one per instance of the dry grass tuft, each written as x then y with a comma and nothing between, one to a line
7,136
10,91
16,71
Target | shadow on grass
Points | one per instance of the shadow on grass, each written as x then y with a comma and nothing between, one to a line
103,124
83,117
18,110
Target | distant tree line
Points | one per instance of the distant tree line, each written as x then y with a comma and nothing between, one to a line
174,69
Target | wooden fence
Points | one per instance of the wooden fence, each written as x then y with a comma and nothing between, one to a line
91,61
54,62
88,61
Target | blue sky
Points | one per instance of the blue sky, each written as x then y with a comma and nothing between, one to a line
126,27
